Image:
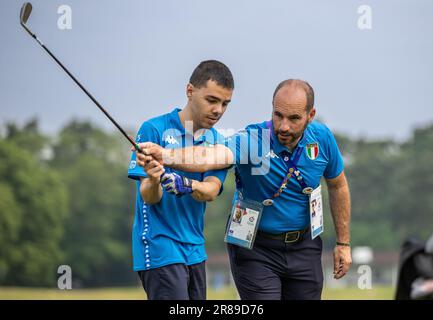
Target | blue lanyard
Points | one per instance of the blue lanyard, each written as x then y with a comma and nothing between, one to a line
292,170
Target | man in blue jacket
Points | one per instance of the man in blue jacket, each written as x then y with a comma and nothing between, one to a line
167,237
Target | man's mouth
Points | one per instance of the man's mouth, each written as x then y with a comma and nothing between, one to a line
213,119
284,136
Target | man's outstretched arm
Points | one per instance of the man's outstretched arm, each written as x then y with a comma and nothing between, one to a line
206,190
189,159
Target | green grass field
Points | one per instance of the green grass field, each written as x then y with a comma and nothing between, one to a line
229,293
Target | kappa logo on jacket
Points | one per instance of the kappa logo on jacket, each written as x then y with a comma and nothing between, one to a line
271,154
171,140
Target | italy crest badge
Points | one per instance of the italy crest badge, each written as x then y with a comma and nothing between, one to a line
312,150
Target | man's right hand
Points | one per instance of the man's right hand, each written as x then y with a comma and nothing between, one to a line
154,171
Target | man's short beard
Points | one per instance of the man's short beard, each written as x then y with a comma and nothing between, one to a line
294,137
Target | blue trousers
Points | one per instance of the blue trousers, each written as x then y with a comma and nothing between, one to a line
175,282
274,270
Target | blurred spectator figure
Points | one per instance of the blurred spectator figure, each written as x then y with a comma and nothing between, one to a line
415,279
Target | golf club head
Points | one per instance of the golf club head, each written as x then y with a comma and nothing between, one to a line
26,10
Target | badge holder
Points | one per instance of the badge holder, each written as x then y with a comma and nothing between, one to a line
316,212
243,223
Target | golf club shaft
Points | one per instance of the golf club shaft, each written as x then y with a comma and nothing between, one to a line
85,91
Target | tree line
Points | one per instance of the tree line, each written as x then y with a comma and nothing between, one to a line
66,200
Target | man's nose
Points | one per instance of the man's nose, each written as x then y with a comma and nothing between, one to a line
217,109
284,126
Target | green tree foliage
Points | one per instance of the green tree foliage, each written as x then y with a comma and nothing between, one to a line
32,210
370,169
411,212
93,166
28,137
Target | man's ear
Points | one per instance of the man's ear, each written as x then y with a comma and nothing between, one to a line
312,114
189,90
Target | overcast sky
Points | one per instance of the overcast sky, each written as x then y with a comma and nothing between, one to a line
136,57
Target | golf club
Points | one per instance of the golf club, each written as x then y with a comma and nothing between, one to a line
26,10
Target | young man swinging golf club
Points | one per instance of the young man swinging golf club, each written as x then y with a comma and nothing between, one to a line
167,238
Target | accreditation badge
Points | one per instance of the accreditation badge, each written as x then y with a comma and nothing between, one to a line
316,212
243,223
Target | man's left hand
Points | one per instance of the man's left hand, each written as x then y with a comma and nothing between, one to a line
176,184
149,151
342,261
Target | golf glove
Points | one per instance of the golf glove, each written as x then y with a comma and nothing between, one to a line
176,184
